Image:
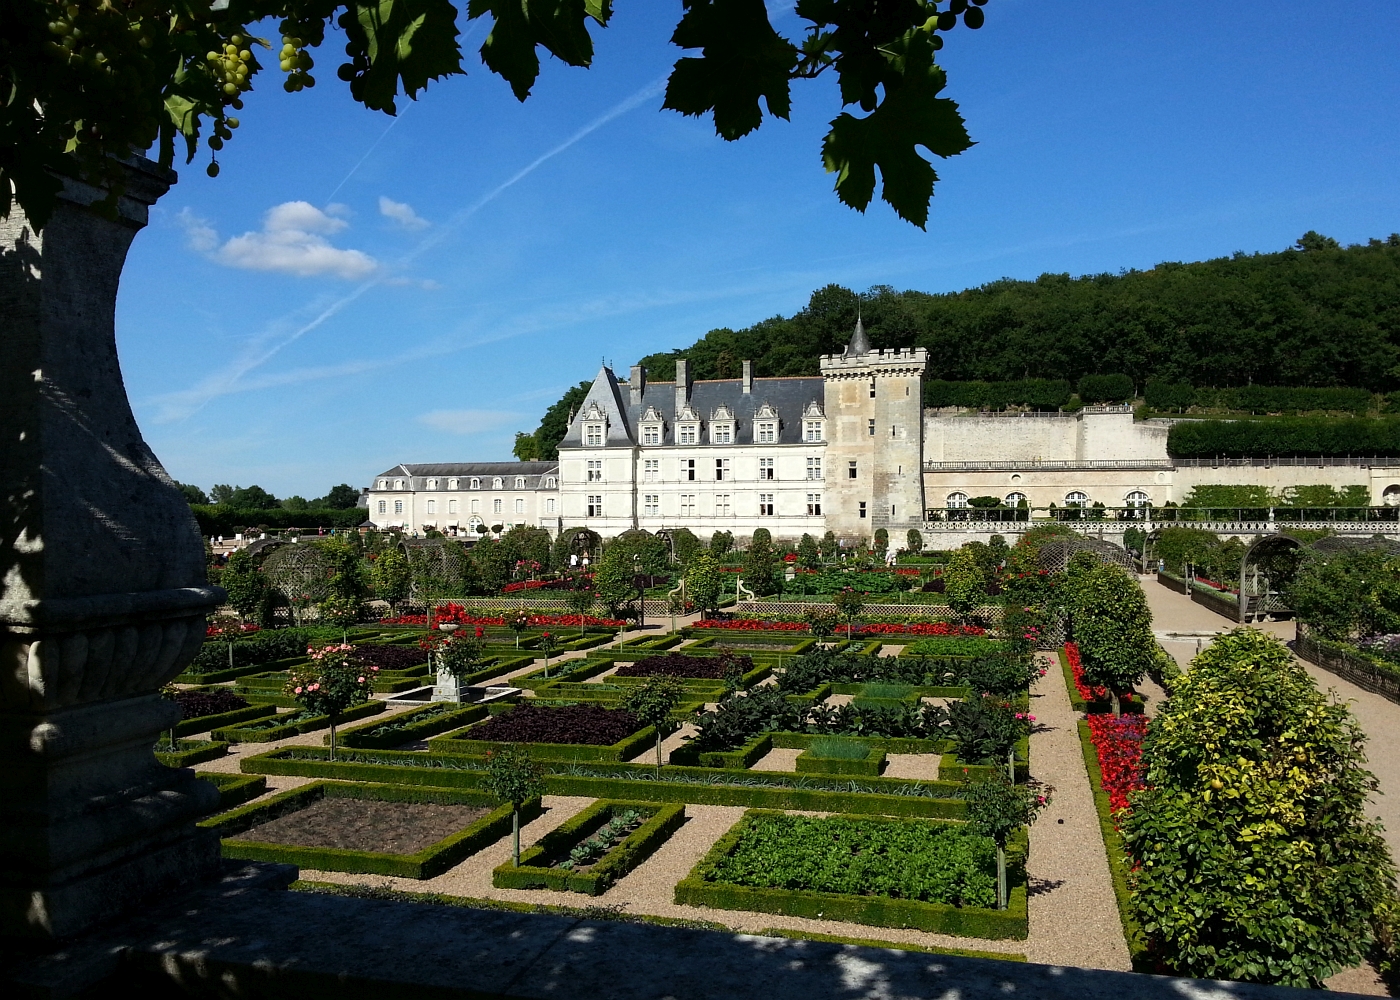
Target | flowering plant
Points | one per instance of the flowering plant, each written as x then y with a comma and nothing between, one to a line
1094,693
1118,743
456,614
330,682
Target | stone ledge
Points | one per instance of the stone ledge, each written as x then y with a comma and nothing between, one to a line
245,939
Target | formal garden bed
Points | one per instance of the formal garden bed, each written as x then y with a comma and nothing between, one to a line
594,849
410,726
380,829
234,789
831,755
289,724
937,877
569,732
205,709
187,753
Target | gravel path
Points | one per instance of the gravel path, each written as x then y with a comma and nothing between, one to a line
1074,916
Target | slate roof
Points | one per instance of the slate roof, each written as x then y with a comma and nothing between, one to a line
417,475
790,397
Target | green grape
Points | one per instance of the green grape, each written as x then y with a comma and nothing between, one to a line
230,89
215,143
947,21
974,18
245,55
286,65
237,39
231,122
213,169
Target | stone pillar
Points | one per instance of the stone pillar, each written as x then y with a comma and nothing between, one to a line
103,593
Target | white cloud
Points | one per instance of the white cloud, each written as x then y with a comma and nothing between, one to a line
402,213
292,241
467,421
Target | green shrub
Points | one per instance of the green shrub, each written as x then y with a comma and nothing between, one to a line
838,749
1284,436
1117,388
954,646
1254,855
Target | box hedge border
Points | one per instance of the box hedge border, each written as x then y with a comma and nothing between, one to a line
740,759
236,734
879,911
234,789
870,766
624,749
208,723
1116,852
711,786
427,863
405,731
198,752
800,935
534,871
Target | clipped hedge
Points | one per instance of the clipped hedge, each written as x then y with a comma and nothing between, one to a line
871,765
403,729
1036,393
237,734
888,744
536,872
207,723
1304,437
234,789
738,760
1160,395
700,786
696,889
624,749
191,752
427,863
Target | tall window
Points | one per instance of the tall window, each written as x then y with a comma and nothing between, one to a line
689,433
651,470
688,469
549,506
497,483
452,506
595,470
1137,498
765,468
814,430
765,505
476,483
767,433
651,504
721,505
814,468
398,506
722,434
476,506
850,470
1015,498
687,505
721,469
595,506
520,505
862,508
432,484
814,504
432,506
519,482
593,434
871,425
651,434
383,507
497,506
872,388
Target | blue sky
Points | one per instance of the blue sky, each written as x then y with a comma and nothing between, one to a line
356,291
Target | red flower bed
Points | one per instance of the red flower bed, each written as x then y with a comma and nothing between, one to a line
456,614
511,588
214,630
1087,691
526,723
907,572
921,628
1118,742
752,625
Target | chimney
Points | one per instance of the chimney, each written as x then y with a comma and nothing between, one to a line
748,378
682,383
637,384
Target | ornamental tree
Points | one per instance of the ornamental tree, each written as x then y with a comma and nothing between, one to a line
330,682
914,541
390,577
653,702
849,603
759,564
963,582
1113,627
1254,856
808,555
702,582
996,808
513,776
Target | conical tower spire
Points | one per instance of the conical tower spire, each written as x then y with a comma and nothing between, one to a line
860,343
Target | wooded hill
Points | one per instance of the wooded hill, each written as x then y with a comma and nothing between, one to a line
1316,314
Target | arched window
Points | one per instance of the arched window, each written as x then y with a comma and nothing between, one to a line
383,484
398,484
1015,498
551,483
1137,498
476,483
1391,496
497,483
452,484
1076,498
519,482
432,484
957,499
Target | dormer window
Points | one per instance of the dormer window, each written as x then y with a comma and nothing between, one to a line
722,433
767,432
688,434
593,435
813,430
452,484
432,484
551,483
498,483
519,482
651,434
398,484
383,484
476,483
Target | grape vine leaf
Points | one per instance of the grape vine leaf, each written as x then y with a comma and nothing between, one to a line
742,59
911,115
408,41
520,25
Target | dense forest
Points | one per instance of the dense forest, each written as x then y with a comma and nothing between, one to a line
1316,314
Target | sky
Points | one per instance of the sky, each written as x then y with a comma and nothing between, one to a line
354,291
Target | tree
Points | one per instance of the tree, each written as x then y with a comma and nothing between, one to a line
342,497
760,562
526,447
686,544
849,604
330,682
513,776
295,503
914,541
347,569
808,555
166,68
702,582
997,808
653,703
493,564
246,586
613,586
721,543
193,494
390,577
882,540
1253,856
1113,627
963,582
1343,593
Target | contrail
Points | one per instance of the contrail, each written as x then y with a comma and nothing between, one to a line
197,396
371,149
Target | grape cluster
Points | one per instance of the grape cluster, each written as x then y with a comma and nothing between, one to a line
232,66
947,20
296,62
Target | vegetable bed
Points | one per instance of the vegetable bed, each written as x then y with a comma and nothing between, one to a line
680,665
587,724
